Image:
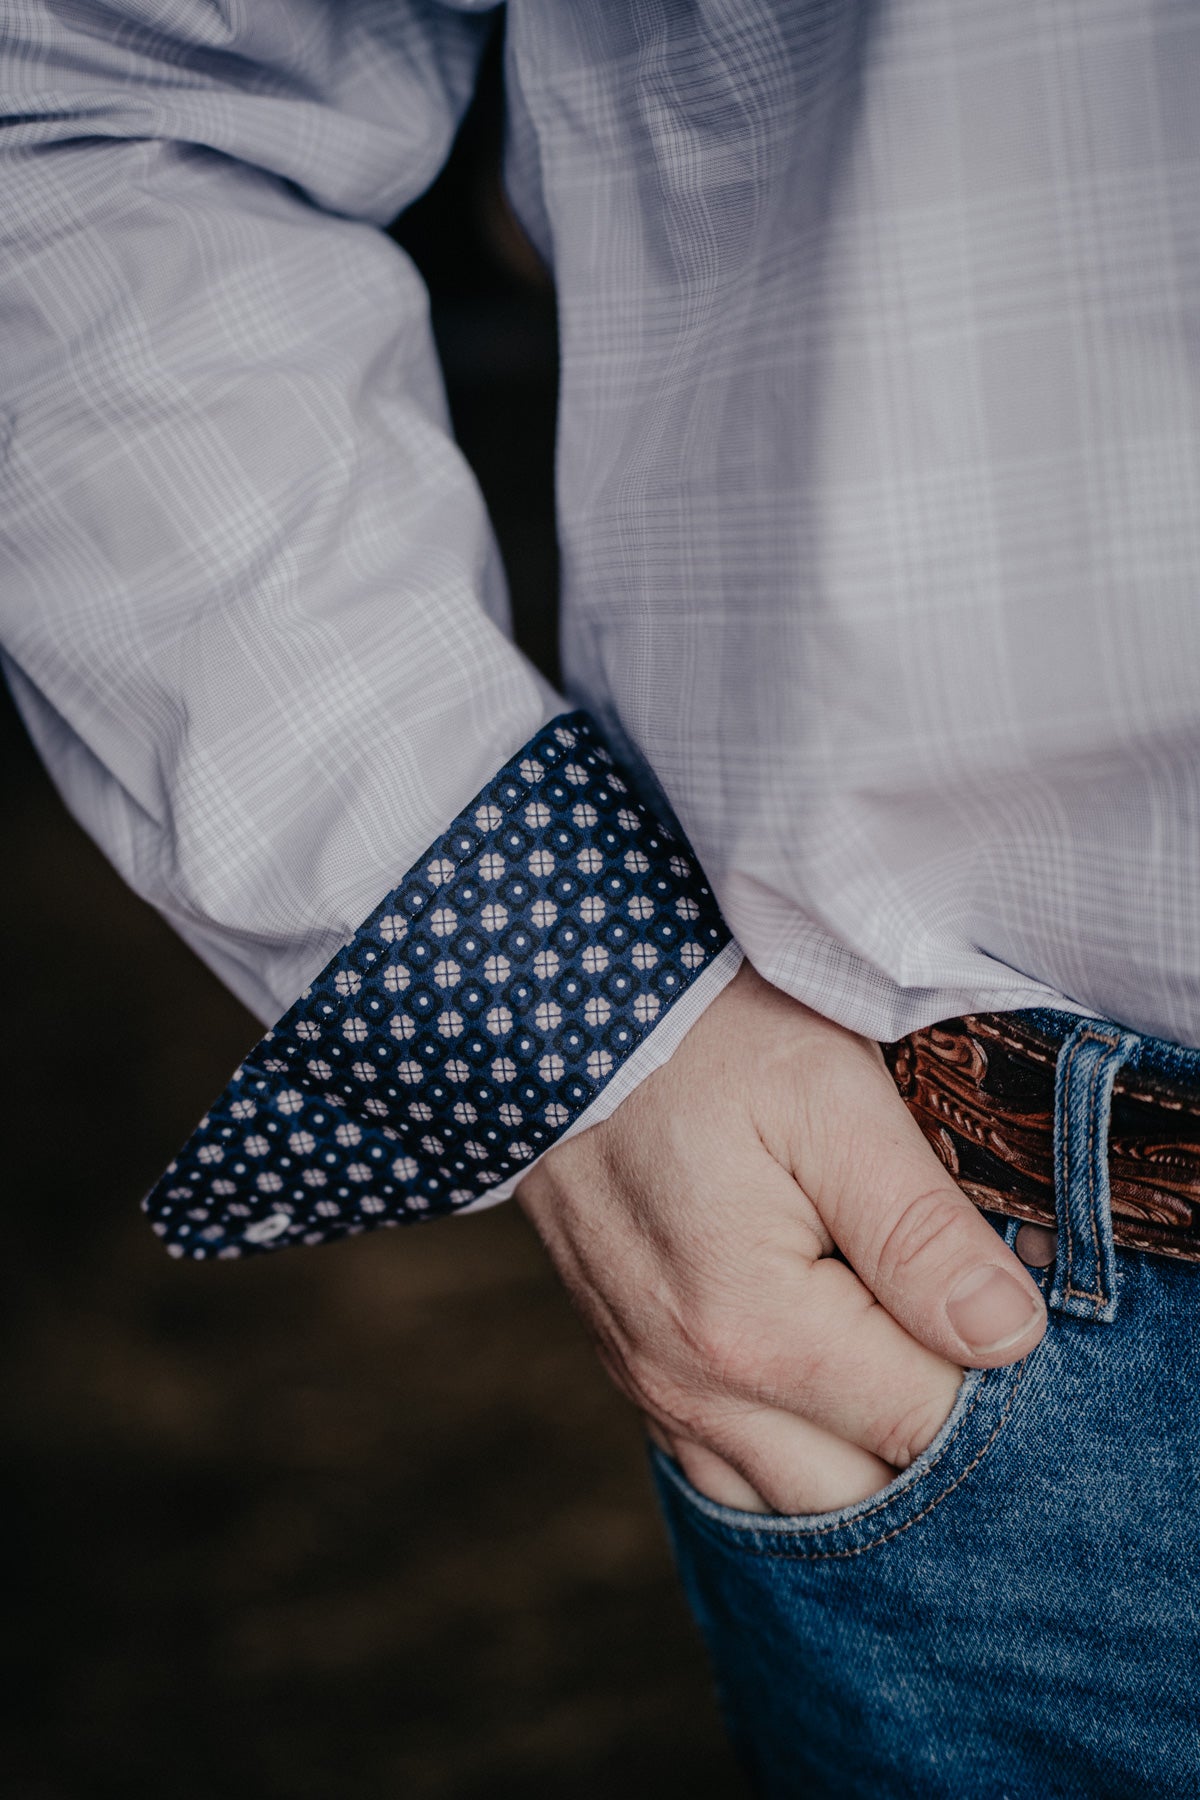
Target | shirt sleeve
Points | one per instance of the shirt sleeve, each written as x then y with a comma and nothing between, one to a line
251,607
252,611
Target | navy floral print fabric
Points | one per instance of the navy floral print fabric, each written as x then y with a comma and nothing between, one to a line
470,1021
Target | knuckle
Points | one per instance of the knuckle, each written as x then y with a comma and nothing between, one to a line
928,1220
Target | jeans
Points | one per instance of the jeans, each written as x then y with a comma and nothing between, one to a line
1017,1616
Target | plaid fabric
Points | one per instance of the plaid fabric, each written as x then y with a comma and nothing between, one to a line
878,469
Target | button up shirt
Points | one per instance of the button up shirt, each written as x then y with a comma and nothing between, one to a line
877,483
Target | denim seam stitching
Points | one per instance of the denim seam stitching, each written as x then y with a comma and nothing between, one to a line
860,1549
829,1555
1143,1097
823,1530
1066,1198
882,1505
1098,1299
1099,1070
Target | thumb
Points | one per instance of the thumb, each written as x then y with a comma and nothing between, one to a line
911,1235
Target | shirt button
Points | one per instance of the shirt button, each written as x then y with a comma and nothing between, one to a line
1036,1245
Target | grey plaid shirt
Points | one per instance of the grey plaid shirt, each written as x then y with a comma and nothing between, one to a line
878,470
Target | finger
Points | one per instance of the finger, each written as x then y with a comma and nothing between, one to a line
827,1351
760,1459
716,1478
706,1470
915,1239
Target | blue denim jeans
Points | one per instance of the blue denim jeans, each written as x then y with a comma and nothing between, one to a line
1017,1616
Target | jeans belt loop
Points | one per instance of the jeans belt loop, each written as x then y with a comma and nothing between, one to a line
1088,1065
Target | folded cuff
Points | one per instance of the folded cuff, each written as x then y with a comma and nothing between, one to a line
468,1024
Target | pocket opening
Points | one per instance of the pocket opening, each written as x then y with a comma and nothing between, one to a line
981,1410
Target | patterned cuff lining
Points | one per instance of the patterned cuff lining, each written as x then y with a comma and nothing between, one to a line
473,1017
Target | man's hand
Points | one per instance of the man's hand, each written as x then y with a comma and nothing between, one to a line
698,1231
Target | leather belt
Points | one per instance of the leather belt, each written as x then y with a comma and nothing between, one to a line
982,1090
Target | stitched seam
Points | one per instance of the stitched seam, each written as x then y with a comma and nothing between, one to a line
1122,1235
1127,1241
882,1505
823,1530
1030,1053
1100,1075
1017,1045
859,1549
1098,1071
1067,1159
1146,1099
1097,1298
1125,1235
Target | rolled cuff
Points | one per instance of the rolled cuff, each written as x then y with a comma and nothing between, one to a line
475,1019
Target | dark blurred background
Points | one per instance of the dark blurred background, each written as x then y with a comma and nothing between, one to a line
349,1524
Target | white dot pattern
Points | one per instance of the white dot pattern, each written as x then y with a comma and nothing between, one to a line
471,1019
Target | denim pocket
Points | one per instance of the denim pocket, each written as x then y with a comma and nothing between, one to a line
986,1402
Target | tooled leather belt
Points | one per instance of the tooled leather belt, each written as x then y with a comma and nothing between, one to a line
982,1090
